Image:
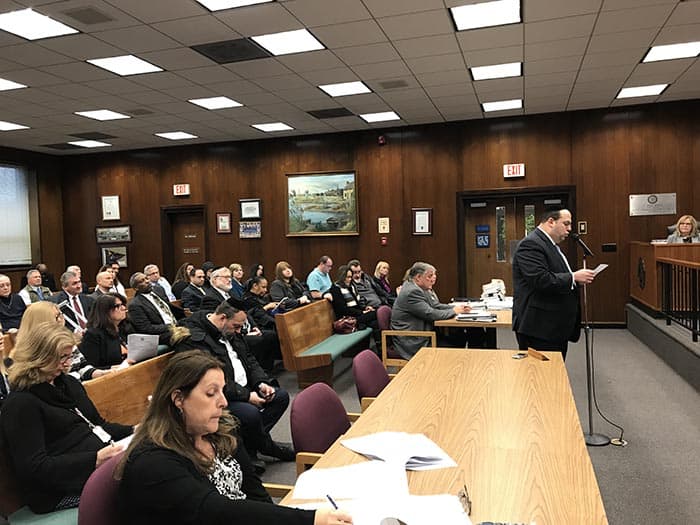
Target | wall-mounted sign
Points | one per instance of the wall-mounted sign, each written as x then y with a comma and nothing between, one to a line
482,228
513,171
383,224
483,240
653,204
181,190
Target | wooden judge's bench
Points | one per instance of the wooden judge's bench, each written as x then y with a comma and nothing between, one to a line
645,273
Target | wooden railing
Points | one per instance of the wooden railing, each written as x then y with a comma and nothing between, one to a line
680,293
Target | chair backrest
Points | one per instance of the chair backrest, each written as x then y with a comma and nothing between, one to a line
384,317
370,375
317,418
98,501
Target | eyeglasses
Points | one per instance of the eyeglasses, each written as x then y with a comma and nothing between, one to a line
117,306
59,315
227,277
65,358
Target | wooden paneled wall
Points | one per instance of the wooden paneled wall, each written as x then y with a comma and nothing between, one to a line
605,154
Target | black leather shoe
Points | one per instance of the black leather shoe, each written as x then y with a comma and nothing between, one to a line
281,451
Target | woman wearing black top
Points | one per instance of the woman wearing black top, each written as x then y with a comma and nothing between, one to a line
184,466
286,285
103,343
347,302
182,279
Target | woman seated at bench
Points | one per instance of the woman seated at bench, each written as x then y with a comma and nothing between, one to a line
104,342
52,433
347,302
286,285
184,465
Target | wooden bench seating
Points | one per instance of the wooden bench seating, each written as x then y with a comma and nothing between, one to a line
309,345
122,396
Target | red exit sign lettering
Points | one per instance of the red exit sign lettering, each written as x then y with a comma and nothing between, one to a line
511,171
181,189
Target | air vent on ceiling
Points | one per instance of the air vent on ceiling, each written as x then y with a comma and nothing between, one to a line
393,84
88,16
330,113
138,112
94,135
229,51
60,145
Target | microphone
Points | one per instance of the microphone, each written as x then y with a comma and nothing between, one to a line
586,250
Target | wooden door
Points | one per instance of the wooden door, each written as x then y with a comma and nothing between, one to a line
184,238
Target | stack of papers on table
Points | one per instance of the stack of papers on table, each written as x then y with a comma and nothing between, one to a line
500,304
413,451
477,315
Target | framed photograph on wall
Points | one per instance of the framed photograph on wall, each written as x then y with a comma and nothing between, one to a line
250,209
250,229
422,221
112,254
110,208
113,234
322,204
223,223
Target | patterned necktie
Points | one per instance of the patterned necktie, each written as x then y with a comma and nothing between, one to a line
79,312
40,293
163,306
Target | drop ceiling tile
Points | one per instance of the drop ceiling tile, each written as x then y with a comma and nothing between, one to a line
80,47
197,30
313,95
157,10
34,55
176,59
367,54
73,90
556,49
613,5
685,13
350,34
34,95
33,77
78,72
608,73
499,84
559,29
209,74
640,39
254,69
427,46
490,37
290,81
502,114
395,96
652,17
487,57
382,70
547,9
148,97
442,78
552,79
260,19
494,95
232,89
162,80
323,12
329,76
633,101
257,99
613,58
678,34
677,95
312,61
596,89
452,90
413,25
669,69
117,85
138,39
551,65
436,63
560,91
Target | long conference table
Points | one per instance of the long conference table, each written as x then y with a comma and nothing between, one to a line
511,426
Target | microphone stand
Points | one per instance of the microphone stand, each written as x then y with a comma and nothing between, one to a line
591,438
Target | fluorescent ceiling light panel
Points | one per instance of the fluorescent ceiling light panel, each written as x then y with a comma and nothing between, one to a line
642,91
32,25
345,88
176,135
486,14
125,65
673,51
102,114
6,85
11,126
513,69
219,5
380,117
89,143
272,126
298,41
215,102
502,105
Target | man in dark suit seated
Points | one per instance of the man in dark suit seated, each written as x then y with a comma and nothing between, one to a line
546,307
194,292
73,303
149,310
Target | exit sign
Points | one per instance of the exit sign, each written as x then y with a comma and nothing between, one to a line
512,171
181,189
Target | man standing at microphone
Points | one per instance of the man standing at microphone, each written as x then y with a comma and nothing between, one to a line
546,307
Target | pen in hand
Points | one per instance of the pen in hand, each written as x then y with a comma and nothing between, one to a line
332,502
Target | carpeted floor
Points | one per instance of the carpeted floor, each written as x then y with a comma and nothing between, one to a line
656,477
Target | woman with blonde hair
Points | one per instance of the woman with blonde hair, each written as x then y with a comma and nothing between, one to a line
381,277
686,231
184,465
237,285
53,434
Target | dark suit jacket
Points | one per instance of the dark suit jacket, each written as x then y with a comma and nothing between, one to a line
544,303
101,349
146,319
86,303
192,297
213,298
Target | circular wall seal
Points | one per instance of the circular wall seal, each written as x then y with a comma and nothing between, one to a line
652,199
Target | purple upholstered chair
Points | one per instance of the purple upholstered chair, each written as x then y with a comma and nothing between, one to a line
370,376
98,501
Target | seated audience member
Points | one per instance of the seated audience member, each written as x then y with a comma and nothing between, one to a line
237,284
381,278
79,273
346,301
72,302
286,285
208,267
194,292
34,291
261,332
118,286
220,289
185,465
153,274
47,278
4,384
11,305
104,342
255,270
53,434
370,294
47,312
182,279
417,308
257,303
149,310
686,231
319,281
252,398
104,283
